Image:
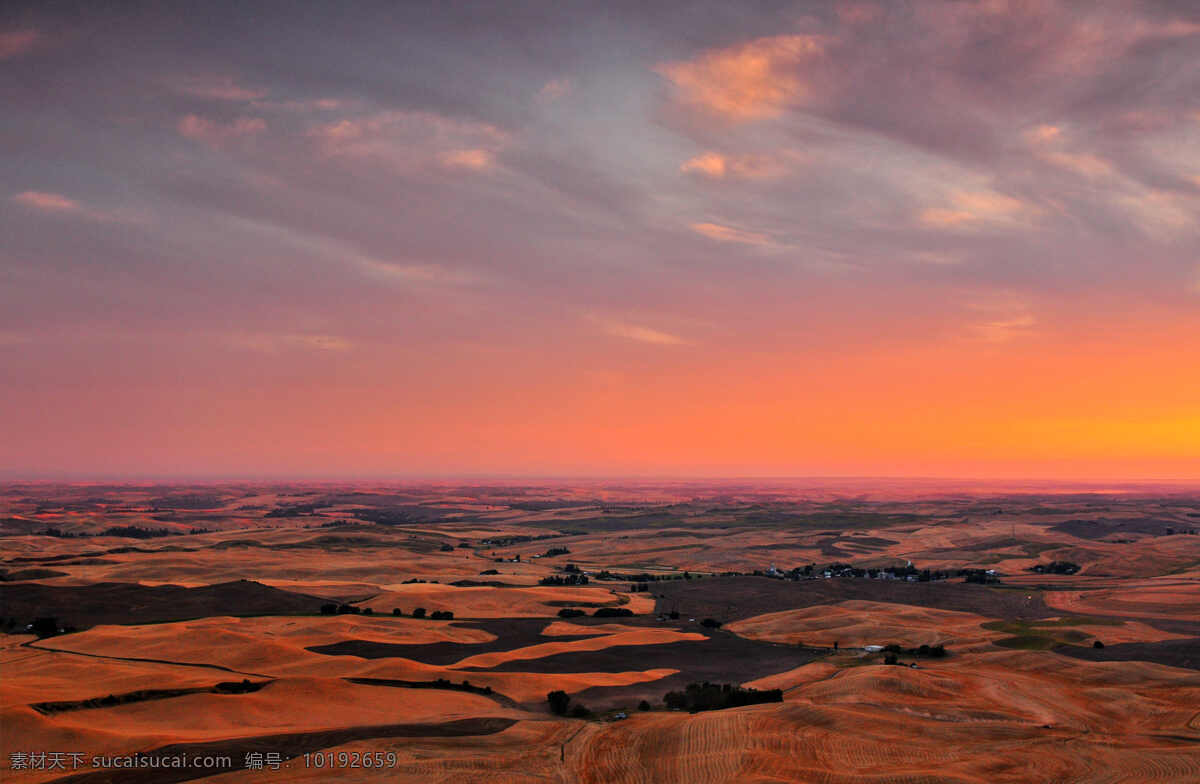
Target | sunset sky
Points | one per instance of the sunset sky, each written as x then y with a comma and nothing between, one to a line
414,239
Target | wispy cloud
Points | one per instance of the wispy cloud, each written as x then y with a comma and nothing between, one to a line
50,202
409,140
716,166
1048,143
640,333
417,273
272,343
215,133
555,89
16,43
223,88
1002,318
716,231
972,210
58,204
477,160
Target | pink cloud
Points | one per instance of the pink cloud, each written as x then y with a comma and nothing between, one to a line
477,160
716,166
555,89
715,231
748,81
212,132
858,13
220,89
975,209
1047,142
51,202
412,140
18,42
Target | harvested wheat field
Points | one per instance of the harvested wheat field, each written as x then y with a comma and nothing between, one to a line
856,624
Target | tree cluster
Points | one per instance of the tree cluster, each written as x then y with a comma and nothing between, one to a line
560,705
716,696
930,651
568,579
1056,567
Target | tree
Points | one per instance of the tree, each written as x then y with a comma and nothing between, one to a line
45,627
612,612
419,612
711,623
329,609
1097,645
643,706
559,702
570,612
580,712
368,611
396,611
674,615
890,659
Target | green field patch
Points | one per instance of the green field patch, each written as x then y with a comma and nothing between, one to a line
1028,642
1047,633
1077,620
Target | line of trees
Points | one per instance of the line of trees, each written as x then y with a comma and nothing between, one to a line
717,696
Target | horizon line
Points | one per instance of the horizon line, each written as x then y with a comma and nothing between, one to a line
497,477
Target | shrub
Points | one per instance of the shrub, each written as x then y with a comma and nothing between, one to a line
441,615
612,612
368,611
580,712
570,612
419,612
559,701
890,659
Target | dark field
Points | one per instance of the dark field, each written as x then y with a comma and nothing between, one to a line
130,603
1173,653
733,598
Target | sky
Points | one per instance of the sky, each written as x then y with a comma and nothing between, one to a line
308,239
